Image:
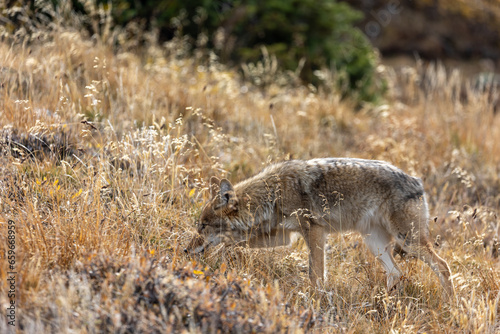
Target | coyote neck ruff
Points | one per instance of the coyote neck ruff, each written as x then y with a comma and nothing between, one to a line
322,196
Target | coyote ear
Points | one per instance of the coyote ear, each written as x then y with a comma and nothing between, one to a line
214,186
227,194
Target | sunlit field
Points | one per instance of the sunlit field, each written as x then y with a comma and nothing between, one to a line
105,157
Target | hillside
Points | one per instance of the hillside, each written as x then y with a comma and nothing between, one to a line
105,160
440,29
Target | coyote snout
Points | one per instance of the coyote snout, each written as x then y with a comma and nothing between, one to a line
195,246
322,196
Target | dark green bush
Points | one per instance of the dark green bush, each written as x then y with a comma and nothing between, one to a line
321,32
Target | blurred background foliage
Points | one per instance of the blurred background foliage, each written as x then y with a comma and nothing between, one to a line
305,36
321,42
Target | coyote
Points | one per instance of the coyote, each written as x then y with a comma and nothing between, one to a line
322,196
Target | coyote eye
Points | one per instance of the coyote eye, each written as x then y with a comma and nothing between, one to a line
203,225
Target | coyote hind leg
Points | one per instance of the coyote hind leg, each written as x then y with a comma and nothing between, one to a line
379,241
425,252
413,238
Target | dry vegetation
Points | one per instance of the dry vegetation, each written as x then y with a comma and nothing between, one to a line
105,157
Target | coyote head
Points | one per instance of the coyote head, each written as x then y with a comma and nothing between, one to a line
219,217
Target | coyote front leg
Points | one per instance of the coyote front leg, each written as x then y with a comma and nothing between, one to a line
315,237
275,238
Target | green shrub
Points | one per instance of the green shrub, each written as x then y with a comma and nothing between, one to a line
321,32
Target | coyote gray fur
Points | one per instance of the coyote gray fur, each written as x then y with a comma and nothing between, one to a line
322,196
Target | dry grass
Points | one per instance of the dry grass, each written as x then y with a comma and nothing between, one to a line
105,157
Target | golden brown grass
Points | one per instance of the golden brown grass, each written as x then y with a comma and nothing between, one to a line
104,161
